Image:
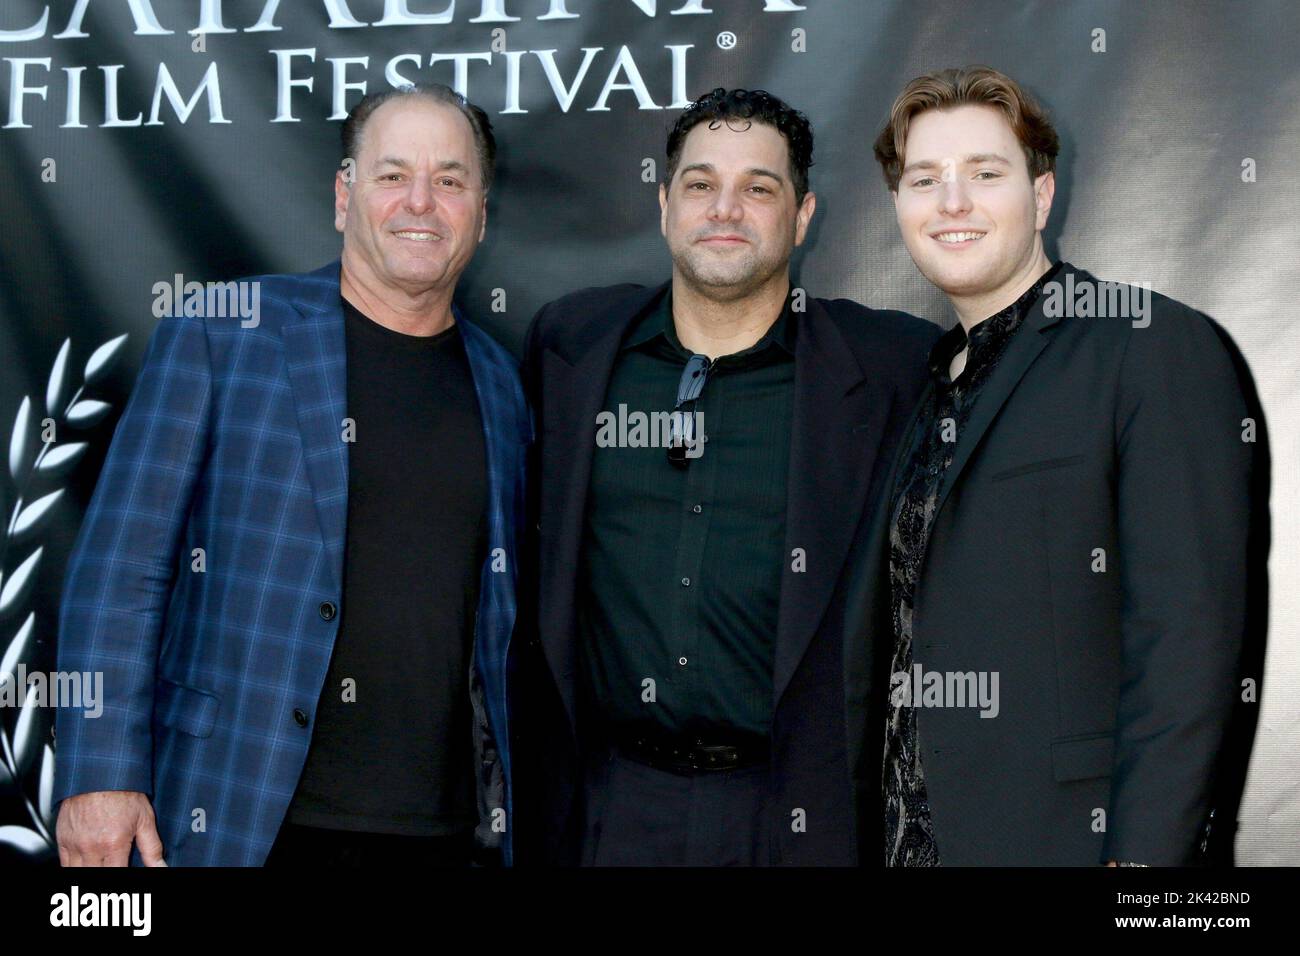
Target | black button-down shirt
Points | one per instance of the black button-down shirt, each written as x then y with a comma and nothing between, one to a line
909,835
681,568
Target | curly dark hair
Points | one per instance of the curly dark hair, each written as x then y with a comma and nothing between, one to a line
752,106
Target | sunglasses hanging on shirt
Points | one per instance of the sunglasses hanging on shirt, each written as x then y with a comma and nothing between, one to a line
686,444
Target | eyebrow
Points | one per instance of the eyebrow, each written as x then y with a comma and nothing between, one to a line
751,171
971,159
403,164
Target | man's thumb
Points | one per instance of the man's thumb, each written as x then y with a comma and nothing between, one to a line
149,844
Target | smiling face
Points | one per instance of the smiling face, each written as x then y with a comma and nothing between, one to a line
969,213
417,210
729,213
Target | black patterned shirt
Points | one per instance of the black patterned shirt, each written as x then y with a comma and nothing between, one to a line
909,836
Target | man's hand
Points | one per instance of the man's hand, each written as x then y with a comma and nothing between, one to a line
97,829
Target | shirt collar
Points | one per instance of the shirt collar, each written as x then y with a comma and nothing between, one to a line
987,332
657,325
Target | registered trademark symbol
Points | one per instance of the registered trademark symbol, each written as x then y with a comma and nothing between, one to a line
726,40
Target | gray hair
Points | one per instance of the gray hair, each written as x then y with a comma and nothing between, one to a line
438,93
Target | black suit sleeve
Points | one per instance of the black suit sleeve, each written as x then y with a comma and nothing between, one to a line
1183,500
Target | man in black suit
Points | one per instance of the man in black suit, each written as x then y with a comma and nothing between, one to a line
706,451
1053,627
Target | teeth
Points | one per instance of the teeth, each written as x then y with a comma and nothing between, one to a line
958,236
417,236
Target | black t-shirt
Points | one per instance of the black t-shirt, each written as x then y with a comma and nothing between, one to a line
392,744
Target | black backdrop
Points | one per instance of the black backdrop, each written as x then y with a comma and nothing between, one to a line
1180,125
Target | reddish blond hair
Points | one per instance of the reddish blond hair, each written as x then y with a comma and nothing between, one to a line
973,86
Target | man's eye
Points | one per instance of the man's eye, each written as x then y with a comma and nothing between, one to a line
693,185
448,181
987,172
924,181
391,176
761,189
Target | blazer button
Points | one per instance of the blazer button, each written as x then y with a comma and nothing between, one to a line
328,610
300,717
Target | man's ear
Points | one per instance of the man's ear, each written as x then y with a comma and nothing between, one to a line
663,209
342,195
804,216
1044,190
483,231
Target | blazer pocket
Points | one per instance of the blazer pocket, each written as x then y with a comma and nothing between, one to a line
187,709
1081,758
1033,466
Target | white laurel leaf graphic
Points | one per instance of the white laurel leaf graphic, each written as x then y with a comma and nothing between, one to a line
18,441
18,647
30,516
60,459
28,841
19,583
32,471
102,359
58,377
44,801
25,735
87,412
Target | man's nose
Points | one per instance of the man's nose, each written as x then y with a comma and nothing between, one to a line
420,197
954,198
726,205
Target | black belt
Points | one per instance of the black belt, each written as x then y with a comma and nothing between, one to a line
690,754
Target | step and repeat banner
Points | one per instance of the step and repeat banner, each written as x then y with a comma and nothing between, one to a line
148,143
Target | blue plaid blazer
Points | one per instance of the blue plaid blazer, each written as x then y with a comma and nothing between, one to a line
232,443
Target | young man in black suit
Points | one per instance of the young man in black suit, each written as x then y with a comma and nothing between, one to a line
1068,527
687,700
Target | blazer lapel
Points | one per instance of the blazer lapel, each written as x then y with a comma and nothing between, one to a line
577,376
495,394
1024,348
839,422
316,353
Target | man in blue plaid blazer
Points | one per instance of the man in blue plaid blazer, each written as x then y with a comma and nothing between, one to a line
212,574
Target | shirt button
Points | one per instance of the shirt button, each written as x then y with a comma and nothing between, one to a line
327,610
686,582
682,661
300,717
698,508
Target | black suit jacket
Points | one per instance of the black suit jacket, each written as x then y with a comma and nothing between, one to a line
1092,441
858,373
